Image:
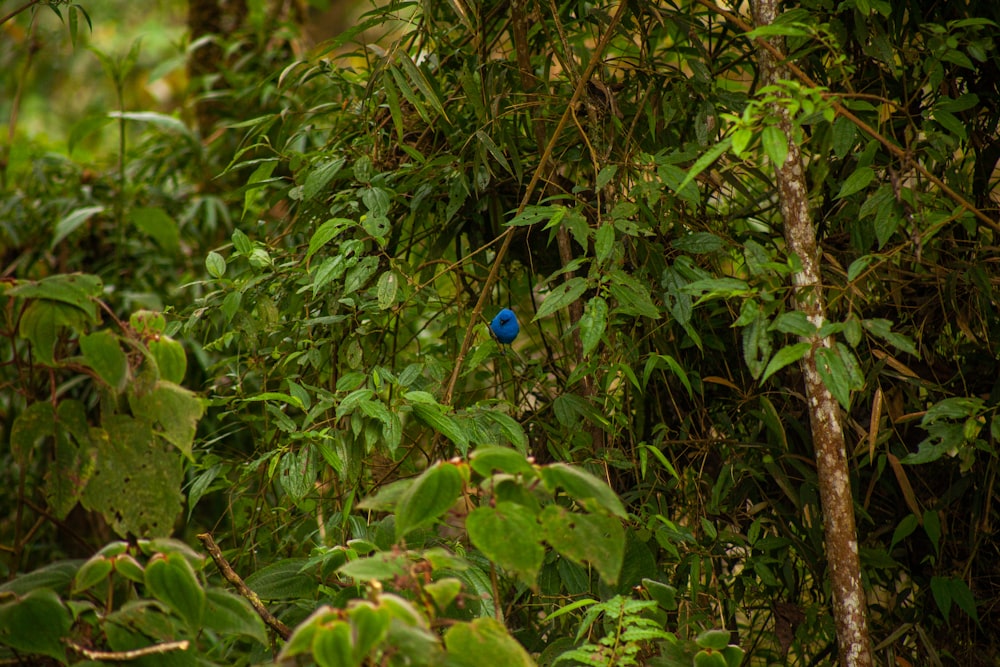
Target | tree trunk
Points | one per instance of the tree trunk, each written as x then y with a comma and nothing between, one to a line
849,602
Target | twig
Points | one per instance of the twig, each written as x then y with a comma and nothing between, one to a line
119,656
849,115
230,575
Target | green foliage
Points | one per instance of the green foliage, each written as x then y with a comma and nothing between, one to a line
268,302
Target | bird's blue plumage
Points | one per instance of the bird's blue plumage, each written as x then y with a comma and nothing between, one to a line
505,326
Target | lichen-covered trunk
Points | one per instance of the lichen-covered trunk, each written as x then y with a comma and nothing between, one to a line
849,606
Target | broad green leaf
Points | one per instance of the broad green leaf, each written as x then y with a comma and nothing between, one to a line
510,536
844,134
857,181
834,374
91,573
381,566
387,289
586,539
137,481
320,176
175,409
297,473
633,299
158,224
229,614
326,233
428,498
170,358
586,489
487,460
484,641
102,351
215,264
435,417
604,242
561,296
593,323
605,175
331,645
75,289
775,145
664,594
283,580
37,421
704,162
172,581
783,357
706,658
698,243
36,624
713,639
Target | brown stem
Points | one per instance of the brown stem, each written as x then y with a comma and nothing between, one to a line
230,575
840,532
860,124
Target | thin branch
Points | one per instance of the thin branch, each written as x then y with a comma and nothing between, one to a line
841,110
529,192
230,575
121,656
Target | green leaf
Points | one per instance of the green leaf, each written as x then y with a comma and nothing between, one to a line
297,473
664,594
510,536
75,289
588,490
698,243
593,323
91,573
484,641
387,289
715,640
72,222
283,580
844,134
486,460
428,498
371,625
230,614
172,581
159,225
604,242
381,566
561,296
331,645
171,361
215,264
37,421
36,624
704,162
320,176
775,145
175,409
605,175
586,539
857,181
326,233
103,353
136,483
882,328
494,150
434,416
783,357
834,374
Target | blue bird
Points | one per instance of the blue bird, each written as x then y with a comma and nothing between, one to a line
505,327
